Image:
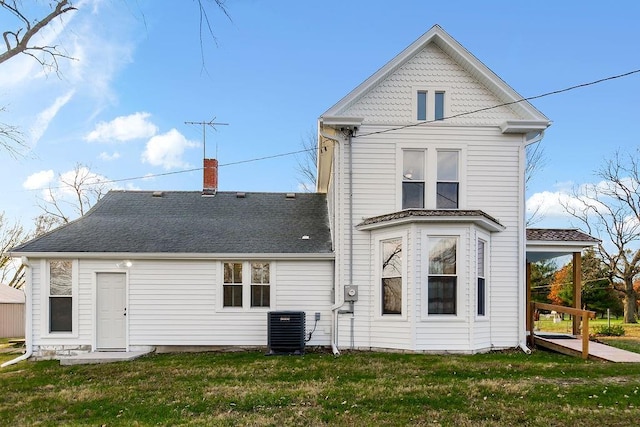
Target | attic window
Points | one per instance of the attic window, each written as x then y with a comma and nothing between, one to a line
291,196
240,195
430,104
439,105
422,105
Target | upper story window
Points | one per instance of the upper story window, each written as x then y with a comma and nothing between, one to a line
448,185
422,105
438,110
60,296
391,285
430,105
413,181
430,179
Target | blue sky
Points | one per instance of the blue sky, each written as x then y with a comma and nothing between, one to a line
120,107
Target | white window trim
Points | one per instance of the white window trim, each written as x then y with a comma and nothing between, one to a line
430,90
461,282
377,242
486,238
44,302
246,286
431,171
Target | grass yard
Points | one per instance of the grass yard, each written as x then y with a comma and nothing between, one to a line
361,389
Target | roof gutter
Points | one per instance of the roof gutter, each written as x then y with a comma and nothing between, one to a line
176,255
28,329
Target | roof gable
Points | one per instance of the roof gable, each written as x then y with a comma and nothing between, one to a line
436,59
187,222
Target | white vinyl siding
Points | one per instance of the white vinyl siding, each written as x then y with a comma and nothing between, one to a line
394,100
377,191
174,303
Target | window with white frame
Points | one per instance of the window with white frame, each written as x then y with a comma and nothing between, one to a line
421,108
481,284
430,178
60,296
442,280
448,185
232,284
260,284
438,101
413,179
430,105
391,276
246,284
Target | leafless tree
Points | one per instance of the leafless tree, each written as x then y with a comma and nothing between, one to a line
610,210
20,38
11,234
536,161
73,195
308,162
10,138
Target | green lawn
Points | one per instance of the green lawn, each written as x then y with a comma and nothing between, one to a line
359,389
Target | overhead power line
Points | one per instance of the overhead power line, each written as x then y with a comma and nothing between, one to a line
530,98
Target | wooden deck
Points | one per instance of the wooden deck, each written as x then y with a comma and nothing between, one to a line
567,344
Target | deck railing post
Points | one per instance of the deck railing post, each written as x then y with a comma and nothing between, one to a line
585,335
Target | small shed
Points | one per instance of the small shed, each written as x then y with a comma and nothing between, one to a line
12,315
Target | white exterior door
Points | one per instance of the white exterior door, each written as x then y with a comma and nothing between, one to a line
111,311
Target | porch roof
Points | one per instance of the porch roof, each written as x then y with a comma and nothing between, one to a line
547,243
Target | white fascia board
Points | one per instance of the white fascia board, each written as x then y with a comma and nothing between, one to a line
524,126
169,256
335,121
383,72
480,221
559,246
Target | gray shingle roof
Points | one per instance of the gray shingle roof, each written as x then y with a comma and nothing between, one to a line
407,213
559,235
187,222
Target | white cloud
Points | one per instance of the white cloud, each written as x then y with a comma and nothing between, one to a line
548,203
38,180
47,115
166,150
109,157
123,128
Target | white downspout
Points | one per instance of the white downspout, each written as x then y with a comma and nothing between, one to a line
28,330
336,306
522,321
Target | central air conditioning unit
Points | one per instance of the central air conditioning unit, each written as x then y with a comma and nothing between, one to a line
285,331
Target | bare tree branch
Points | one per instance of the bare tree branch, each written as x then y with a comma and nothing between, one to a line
11,138
84,188
611,210
308,162
18,41
11,235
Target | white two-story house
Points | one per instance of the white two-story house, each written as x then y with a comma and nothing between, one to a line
423,165
414,241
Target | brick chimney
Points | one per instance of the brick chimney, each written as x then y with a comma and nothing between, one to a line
210,186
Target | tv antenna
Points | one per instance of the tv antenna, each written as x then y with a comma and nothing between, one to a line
212,123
